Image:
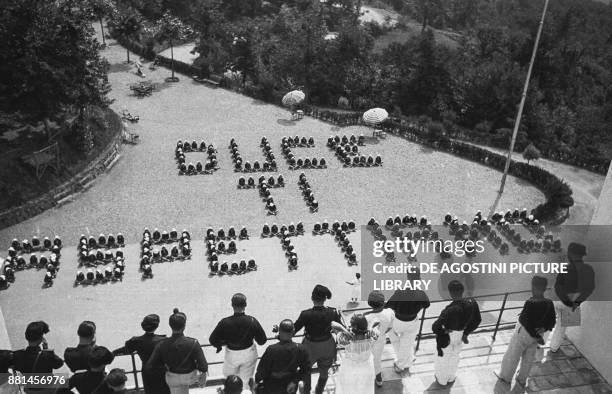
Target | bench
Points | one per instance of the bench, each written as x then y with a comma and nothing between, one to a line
212,79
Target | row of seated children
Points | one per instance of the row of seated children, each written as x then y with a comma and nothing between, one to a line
405,221
229,235
98,276
162,237
271,182
192,147
269,164
284,231
301,163
360,161
323,228
332,141
35,246
235,268
184,246
19,262
102,242
345,245
93,257
289,248
185,168
303,184
297,142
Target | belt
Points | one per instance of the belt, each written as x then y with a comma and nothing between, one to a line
237,348
180,371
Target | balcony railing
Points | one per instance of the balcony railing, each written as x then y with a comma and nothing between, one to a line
491,327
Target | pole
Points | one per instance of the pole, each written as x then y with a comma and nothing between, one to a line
519,115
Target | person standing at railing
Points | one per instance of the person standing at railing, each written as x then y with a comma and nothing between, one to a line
183,357
238,334
536,318
406,305
458,320
319,322
154,381
383,320
572,288
76,357
283,364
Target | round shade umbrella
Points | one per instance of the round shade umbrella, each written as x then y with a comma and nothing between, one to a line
375,116
293,98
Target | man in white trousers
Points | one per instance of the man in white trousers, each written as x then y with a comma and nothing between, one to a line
382,319
458,320
406,305
536,318
238,333
572,288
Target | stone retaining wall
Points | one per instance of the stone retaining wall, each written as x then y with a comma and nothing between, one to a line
63,192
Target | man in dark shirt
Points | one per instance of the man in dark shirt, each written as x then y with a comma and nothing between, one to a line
572,288
154,381
537,317
237,333
183,357
284,364
87,382
406,304
458,320
76,357
34,359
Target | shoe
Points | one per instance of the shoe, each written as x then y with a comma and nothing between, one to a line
397,369
378,380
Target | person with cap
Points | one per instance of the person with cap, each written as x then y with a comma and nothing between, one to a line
232,385
283,364
381,318
36,357
406,306
572,288
76,357
318,323
154,381
237,333
87,382
457,320
357,368
113,383
537,317
183,357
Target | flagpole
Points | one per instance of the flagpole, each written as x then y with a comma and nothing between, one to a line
519,115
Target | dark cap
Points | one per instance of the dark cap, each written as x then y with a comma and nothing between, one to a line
321,293
359,324
376,299
87,329
116,377
576,249
177,320
100,356
36,330
150,322
232,385
286,326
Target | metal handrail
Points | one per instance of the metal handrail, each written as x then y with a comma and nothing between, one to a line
421,335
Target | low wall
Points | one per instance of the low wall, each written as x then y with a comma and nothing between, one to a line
59,194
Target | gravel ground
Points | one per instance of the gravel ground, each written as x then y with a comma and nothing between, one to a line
144,189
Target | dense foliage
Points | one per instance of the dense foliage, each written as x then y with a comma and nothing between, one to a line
474,86
49,58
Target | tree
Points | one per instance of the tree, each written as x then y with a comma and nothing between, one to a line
128,26
171,29
100,9
50,59
531,153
